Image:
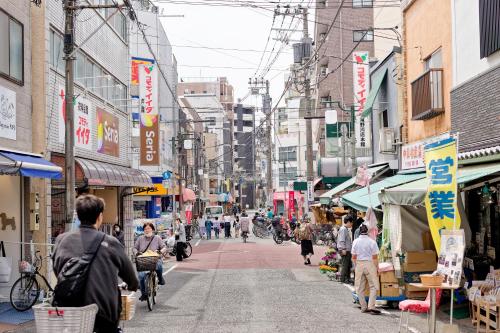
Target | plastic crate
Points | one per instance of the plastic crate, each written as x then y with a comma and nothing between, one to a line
50,319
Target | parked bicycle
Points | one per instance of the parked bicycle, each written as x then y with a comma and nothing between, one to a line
26,290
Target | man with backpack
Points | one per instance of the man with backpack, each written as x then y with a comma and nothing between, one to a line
86,262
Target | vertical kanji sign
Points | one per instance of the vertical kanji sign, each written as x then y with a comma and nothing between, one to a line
441,198
361,88
82,120
149,115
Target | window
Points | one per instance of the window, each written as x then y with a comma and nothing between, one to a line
286,175
120,25
362,3
288,153
362,35
489,27
89,73
57,52
384,119
247,123
11,48
434,61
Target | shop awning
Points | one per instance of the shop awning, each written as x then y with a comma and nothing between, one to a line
100,173
414,193
376,83
28,165
362,199
326,197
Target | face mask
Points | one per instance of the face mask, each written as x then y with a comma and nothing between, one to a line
117,229
148,234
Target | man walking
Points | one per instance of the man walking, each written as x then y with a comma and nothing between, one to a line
208,227
344,246
110,261
365,257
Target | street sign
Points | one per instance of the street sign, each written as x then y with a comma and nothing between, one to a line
167,175
310,191
166,184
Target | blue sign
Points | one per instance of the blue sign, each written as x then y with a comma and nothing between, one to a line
167,175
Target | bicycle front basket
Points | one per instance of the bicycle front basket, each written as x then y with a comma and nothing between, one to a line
146,263
25,267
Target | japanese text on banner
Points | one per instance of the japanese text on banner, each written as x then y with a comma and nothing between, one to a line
441,198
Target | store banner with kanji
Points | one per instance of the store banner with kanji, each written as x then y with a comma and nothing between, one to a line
82,113
291,204
441,198
361,88
149,115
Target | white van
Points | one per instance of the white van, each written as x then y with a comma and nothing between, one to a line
213,211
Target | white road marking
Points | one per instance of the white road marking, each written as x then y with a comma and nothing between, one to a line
198,242
169,270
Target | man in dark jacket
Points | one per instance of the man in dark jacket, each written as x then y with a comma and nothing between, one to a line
102,283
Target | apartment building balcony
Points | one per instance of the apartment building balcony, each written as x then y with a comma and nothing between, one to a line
427,95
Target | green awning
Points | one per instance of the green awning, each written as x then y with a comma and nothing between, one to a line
376,83
414,193
362,199
326,197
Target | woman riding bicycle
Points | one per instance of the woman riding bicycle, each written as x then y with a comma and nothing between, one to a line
152,242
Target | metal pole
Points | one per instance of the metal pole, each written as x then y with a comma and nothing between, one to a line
353,141
307,91
69,93
180,168
269,158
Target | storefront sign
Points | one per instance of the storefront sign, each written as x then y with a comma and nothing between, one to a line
149,115
82,109
310,191
451,256
134,81
412,155
441,198
7,113
107,133
361,77
291,204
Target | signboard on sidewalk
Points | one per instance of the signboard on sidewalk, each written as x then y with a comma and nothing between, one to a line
83,128
361,77
149,115
7,113
441,198
451,256
107,133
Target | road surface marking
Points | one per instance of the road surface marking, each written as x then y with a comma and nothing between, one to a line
198,242
169,270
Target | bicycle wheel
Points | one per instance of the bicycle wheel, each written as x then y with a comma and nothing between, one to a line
24,293
277,239
188,249
150,290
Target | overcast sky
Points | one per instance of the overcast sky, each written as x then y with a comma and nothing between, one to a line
230,28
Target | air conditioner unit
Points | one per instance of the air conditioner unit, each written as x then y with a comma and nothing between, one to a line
386,142
324,71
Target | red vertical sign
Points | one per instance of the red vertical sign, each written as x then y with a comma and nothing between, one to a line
291,204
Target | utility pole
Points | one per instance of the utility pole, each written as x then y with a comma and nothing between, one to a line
69,28
307,93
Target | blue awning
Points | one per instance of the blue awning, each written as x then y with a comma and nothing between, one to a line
29,165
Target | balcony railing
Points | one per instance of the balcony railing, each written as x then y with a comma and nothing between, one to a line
427,95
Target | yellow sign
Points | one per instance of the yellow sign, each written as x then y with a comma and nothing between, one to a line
441,197
158,190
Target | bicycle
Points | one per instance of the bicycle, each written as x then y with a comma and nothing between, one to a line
26,290
148,265
151,288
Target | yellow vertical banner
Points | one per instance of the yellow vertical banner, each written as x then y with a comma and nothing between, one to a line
441,198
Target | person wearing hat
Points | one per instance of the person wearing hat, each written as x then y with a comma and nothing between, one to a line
365,257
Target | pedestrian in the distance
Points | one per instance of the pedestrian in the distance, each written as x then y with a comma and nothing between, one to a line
236,226
344,245
270,214
227,225
216,227
208,227
180,237
304,233
365,257
119,234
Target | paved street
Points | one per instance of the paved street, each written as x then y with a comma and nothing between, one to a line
228,286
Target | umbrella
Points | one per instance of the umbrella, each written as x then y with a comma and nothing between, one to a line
188,195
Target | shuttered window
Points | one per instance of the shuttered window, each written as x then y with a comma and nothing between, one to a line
489,26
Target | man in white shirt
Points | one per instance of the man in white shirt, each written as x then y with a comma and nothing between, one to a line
365,257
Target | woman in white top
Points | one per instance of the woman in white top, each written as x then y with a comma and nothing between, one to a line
227,225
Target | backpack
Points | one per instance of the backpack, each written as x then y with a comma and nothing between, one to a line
304,233
72,279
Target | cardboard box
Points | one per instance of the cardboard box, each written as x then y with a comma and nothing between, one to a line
409,287
388,277
367,292
429,266
416,257
416,294
390,290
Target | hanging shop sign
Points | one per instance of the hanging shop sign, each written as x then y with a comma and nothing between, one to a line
82,127
412,155
441,198
7,113
134,80
291,204
149,115
310,191
107,133
361,77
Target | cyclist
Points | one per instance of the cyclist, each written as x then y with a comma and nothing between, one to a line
244,223
152,242
110,262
